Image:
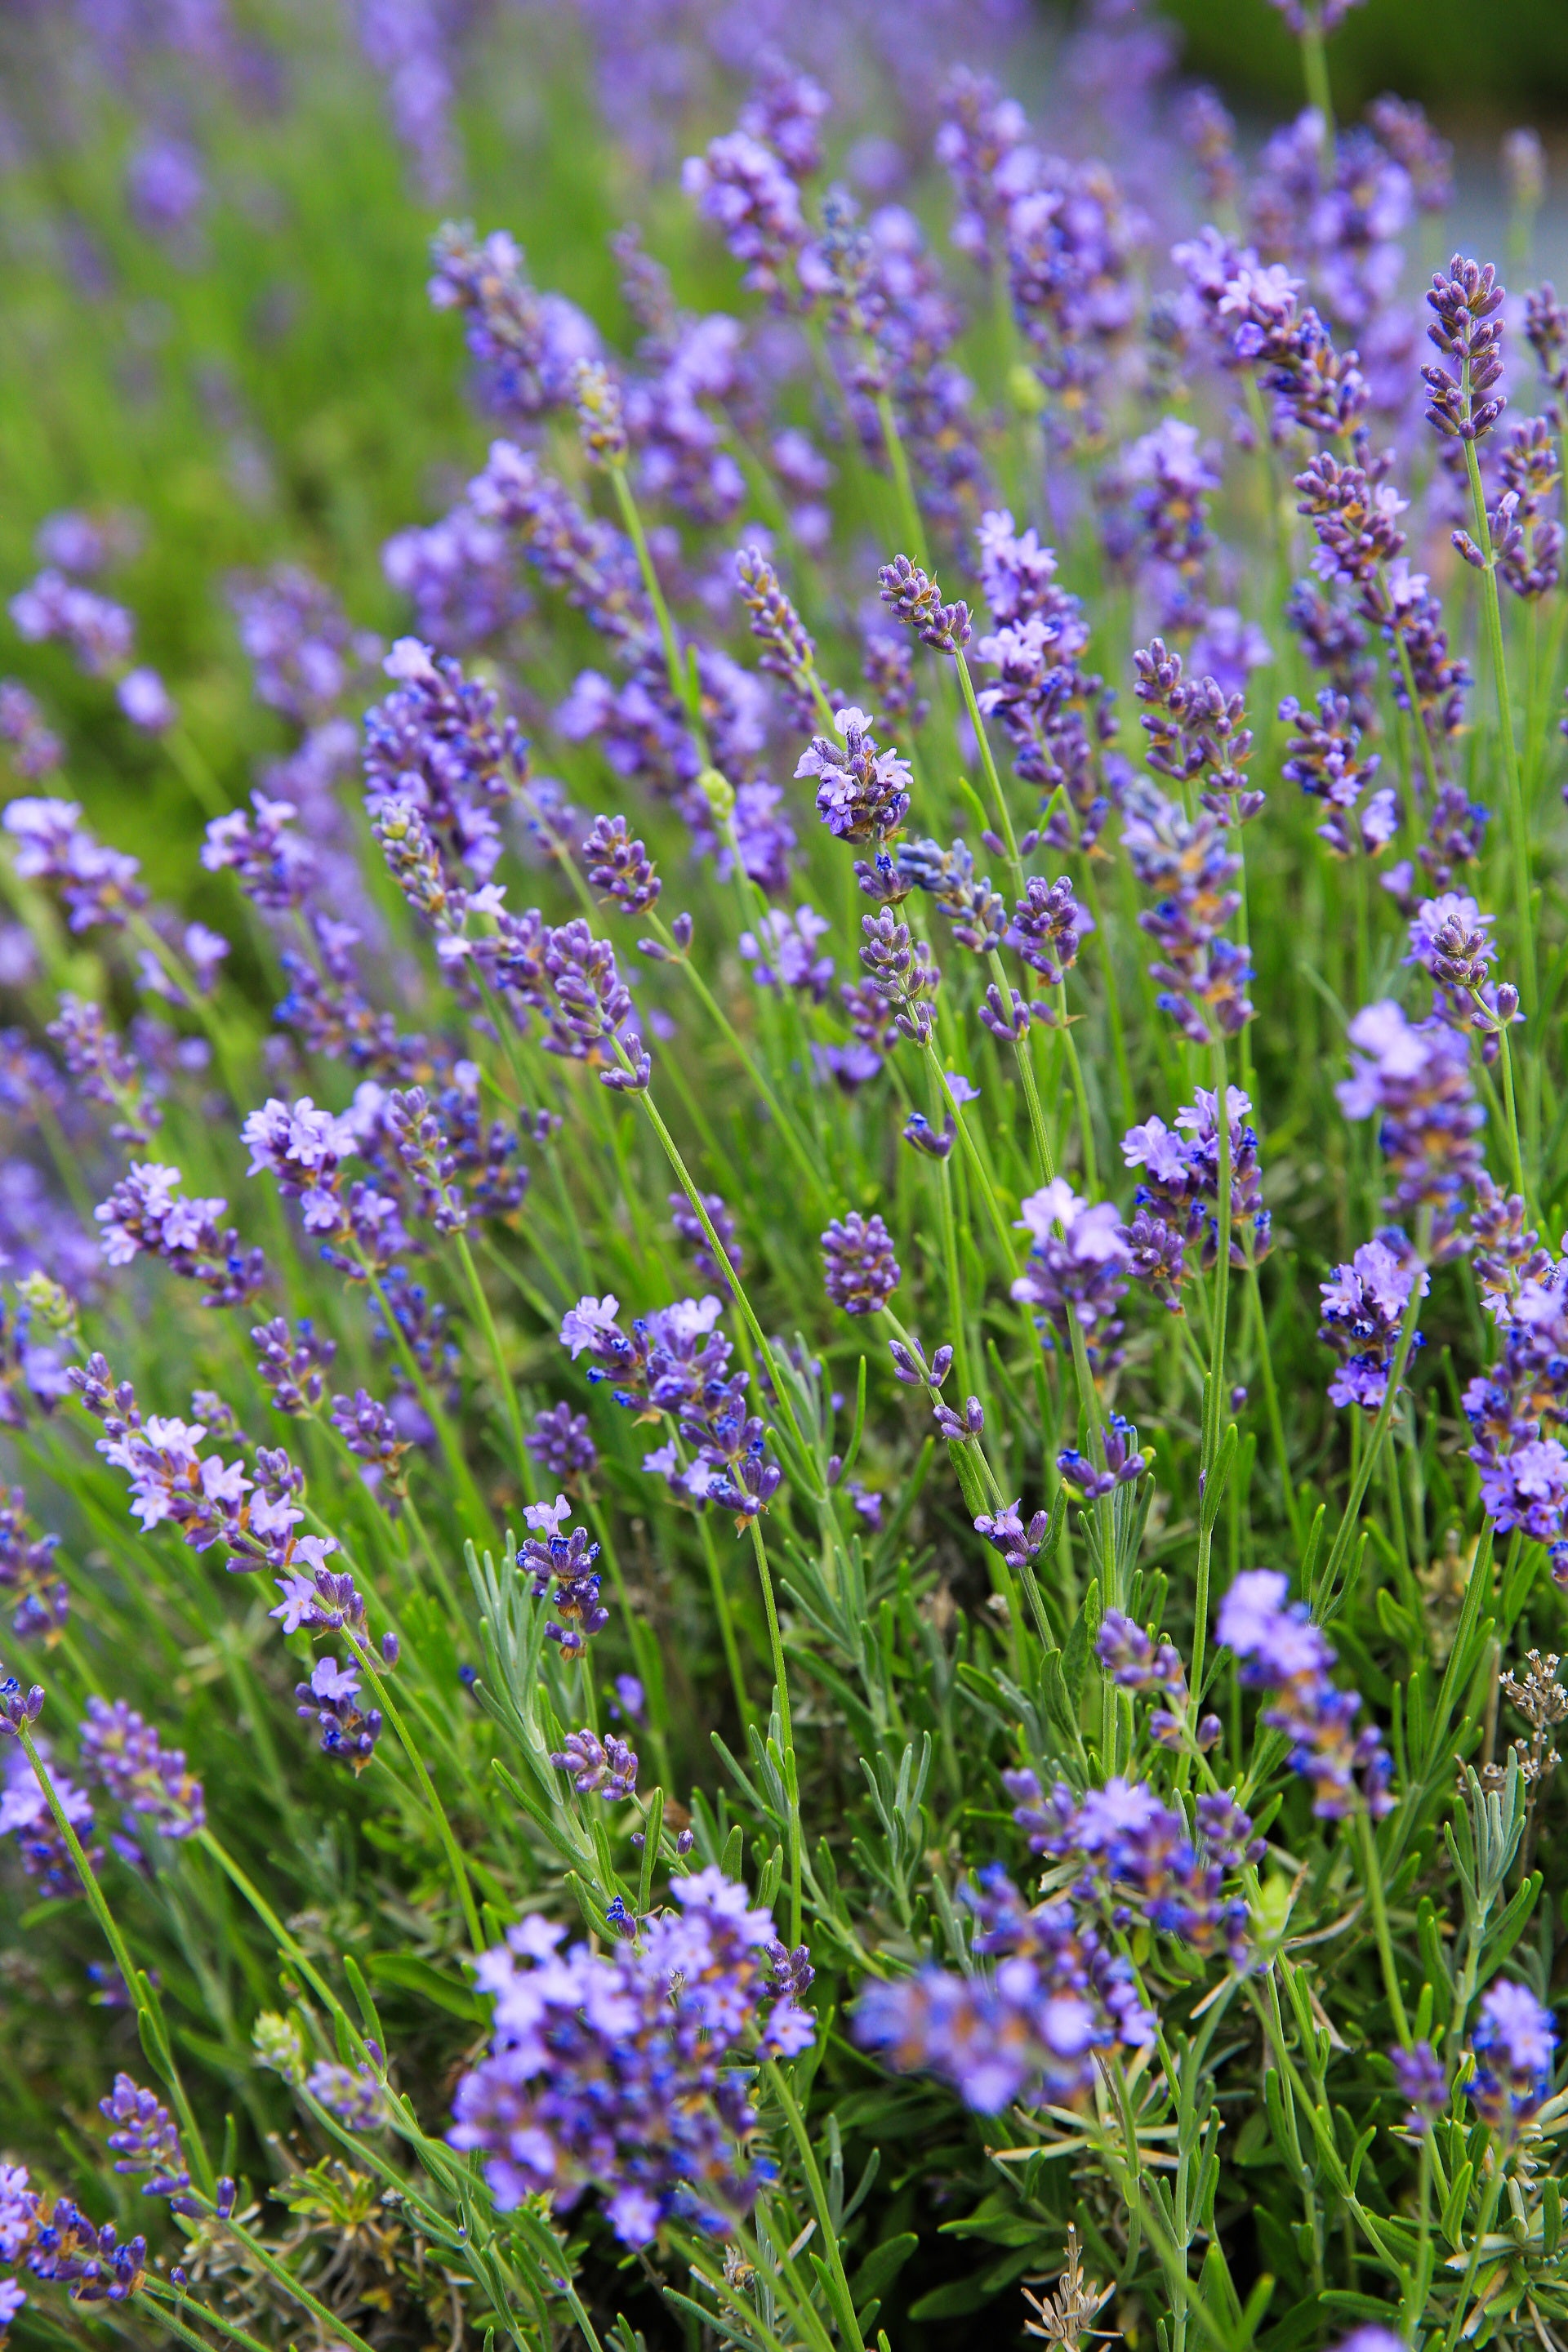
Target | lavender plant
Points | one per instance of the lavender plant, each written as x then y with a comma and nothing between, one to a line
631,1715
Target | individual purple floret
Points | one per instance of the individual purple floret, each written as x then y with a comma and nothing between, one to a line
620,867
1514,2043
1423,2083
1466,301
1363,1308
1031,2031
147,2139
599,1767
331,1697
148,1780
859,1270
862,794
628,2069
561,1444
96,885
146,702
145,1214
1282,1651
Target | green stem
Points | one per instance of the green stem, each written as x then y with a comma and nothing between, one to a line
679,683
492,1340
780,1677
454,1851
139,1987
1483,2223
1517,820
1213,1408
987,762
1315,73
813,2170
1380,1924
1271,1406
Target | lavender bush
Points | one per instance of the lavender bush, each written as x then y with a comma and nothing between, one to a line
782,1377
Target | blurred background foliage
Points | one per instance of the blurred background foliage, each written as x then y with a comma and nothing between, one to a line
1471,62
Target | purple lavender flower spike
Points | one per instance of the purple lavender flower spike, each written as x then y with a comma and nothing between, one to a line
1466,301
1415,1077
1514,2042
331,1697
148,1780
862,793
147,2139
860,1271
561,1444
781,952
625,2069
690,1228
1031,2031
1079,1265
567,1563
35,750
599,1767
96,885
1283,1653
1423,2083
1363,1308
901,973
620,867
913,597
145,1213
350,2093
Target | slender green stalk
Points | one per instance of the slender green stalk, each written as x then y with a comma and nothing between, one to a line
1380,1924
1518,818
443,1827
1315,73
1484,2220
781,1679
492,1340
138,1985
780,2090
1213,1401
